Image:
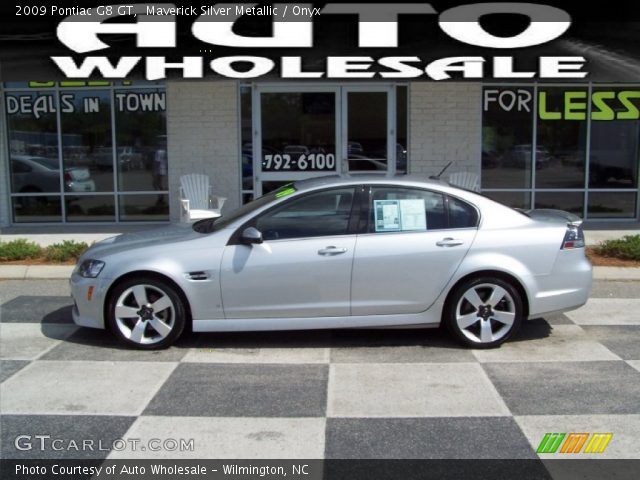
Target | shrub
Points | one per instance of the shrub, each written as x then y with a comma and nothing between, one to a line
626,248
19,249
61,252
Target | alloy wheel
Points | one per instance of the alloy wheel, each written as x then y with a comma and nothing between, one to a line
145,314
485,313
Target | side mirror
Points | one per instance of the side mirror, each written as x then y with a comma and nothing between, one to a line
251,235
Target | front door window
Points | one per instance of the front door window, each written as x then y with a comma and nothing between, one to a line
314,215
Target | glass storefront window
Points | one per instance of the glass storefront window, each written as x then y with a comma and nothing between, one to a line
568,201
38,209
513,199
87,153
143,207
611,205
367,131
580,131
83,190
33,142
298,131
507,137
615,137
561,143
141,139
90,208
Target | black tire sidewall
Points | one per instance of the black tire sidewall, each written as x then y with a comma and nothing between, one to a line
454,298
170,291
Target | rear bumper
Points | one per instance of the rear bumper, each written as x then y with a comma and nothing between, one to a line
566,288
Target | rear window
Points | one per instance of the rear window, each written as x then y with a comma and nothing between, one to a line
401,209
462,214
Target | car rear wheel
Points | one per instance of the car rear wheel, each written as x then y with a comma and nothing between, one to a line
146,313
484,312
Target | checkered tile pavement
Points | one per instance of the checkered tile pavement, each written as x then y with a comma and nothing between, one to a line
337,394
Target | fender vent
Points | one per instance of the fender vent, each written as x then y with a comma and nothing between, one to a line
198,276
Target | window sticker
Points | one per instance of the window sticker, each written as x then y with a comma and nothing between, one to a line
413,216
400,215
387,215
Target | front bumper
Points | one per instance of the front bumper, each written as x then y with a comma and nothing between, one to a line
88,312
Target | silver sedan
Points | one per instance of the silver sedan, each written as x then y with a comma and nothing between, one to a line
333,252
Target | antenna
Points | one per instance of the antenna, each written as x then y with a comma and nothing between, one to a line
437,177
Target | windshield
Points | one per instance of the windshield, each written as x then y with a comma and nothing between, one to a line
211,225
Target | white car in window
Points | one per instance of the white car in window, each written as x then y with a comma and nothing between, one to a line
32,174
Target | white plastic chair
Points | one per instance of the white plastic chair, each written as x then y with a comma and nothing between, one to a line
466,180
196,200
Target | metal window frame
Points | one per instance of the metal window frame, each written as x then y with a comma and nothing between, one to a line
340,90
586,190
115,193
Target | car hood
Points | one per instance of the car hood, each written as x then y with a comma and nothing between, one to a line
144,239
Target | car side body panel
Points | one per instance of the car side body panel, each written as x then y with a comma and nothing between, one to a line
405,272
506,241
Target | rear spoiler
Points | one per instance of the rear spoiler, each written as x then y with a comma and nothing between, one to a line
554,216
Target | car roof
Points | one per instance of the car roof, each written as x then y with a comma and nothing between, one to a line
371,178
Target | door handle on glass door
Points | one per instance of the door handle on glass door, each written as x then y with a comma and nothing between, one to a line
331,250
449,242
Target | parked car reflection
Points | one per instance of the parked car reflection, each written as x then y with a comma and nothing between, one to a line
520,156
32,174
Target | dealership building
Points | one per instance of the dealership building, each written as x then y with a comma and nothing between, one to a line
113,152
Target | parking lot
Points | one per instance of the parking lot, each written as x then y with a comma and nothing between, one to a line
321,394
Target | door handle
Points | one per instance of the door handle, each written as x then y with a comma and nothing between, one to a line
449,242
331,250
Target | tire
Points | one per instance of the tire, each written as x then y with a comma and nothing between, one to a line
487,318
134,320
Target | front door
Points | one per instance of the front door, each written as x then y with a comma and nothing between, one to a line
303,267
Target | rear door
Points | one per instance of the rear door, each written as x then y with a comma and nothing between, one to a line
415,240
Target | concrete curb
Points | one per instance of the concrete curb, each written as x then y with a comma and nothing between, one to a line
29,272
616,273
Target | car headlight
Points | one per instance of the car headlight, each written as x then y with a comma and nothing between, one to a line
90,268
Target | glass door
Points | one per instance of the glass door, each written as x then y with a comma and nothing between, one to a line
296,134
368,130
301,132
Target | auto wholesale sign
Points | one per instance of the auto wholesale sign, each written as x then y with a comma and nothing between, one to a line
90,34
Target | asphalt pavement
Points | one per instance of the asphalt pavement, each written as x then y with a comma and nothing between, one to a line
320,394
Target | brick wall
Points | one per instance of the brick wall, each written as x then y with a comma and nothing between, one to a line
202,136
445,121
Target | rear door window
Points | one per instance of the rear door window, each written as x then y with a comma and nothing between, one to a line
397,209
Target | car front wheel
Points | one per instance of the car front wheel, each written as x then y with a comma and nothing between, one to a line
484,312
146,313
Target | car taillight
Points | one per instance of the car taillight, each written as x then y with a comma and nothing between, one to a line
573,238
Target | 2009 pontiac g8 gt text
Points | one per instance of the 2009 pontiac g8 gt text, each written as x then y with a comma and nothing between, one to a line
335,252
